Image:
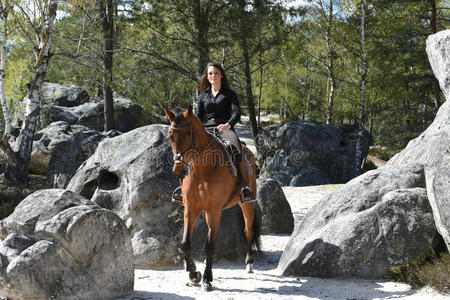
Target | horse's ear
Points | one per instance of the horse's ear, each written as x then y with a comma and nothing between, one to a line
189,110
170,115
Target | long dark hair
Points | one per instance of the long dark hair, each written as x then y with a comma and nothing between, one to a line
204,83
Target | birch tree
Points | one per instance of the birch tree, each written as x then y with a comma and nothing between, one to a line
35,20
358,156
331,53
106,10
5,7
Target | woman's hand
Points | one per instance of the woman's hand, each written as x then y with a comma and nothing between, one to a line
223,127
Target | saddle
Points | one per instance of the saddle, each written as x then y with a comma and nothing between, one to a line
227,150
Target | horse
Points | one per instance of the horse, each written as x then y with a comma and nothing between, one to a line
209,186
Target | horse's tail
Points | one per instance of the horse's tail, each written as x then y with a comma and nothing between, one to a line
257,220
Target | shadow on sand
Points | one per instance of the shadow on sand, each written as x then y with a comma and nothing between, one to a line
140,295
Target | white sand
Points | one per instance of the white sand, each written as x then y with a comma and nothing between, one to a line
232,282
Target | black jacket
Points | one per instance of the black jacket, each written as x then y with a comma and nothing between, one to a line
224,108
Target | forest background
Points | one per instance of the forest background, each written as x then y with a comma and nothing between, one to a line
340,62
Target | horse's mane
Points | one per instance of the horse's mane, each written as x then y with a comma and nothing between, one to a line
178,117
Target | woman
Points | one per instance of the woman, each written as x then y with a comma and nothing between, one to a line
218,107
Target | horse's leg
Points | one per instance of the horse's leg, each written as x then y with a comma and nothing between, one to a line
248,210
189,222
213,221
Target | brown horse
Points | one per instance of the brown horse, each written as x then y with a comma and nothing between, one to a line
209,187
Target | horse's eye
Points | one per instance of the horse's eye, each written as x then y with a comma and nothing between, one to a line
172,138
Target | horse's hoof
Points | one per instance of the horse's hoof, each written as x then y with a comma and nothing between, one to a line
249,269
196,278
190,283
207,286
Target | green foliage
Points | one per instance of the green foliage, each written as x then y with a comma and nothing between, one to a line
434,272
18,70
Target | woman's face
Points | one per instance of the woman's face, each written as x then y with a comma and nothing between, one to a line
214,76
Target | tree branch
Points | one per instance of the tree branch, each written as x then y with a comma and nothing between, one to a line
170,63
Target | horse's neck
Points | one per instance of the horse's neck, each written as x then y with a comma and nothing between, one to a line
206,141
203,136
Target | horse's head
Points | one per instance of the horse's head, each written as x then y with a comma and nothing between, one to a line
182,138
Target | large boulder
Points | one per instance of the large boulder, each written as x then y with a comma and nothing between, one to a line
127,115
70,104
67,146
54,94
431,148
132,175
59,245
70,115
306,152
376,221
63,95
276,212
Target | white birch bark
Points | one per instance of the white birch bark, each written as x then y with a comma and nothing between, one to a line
25,139
6,115
330,67
358,155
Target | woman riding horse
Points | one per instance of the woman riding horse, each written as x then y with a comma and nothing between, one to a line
209,187
218,107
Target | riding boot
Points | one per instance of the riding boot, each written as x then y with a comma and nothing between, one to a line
246,193
177,195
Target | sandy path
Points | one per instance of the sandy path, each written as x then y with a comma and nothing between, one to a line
231,281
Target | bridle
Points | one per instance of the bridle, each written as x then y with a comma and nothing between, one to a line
179,157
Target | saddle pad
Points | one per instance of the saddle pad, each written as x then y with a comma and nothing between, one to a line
226,152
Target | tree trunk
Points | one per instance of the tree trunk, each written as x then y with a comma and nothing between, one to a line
437,90
330,68
224,57
247,73
106,9
358,156
260,84
201,16
6,115
19,161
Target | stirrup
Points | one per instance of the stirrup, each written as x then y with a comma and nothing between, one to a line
177,197
247,195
